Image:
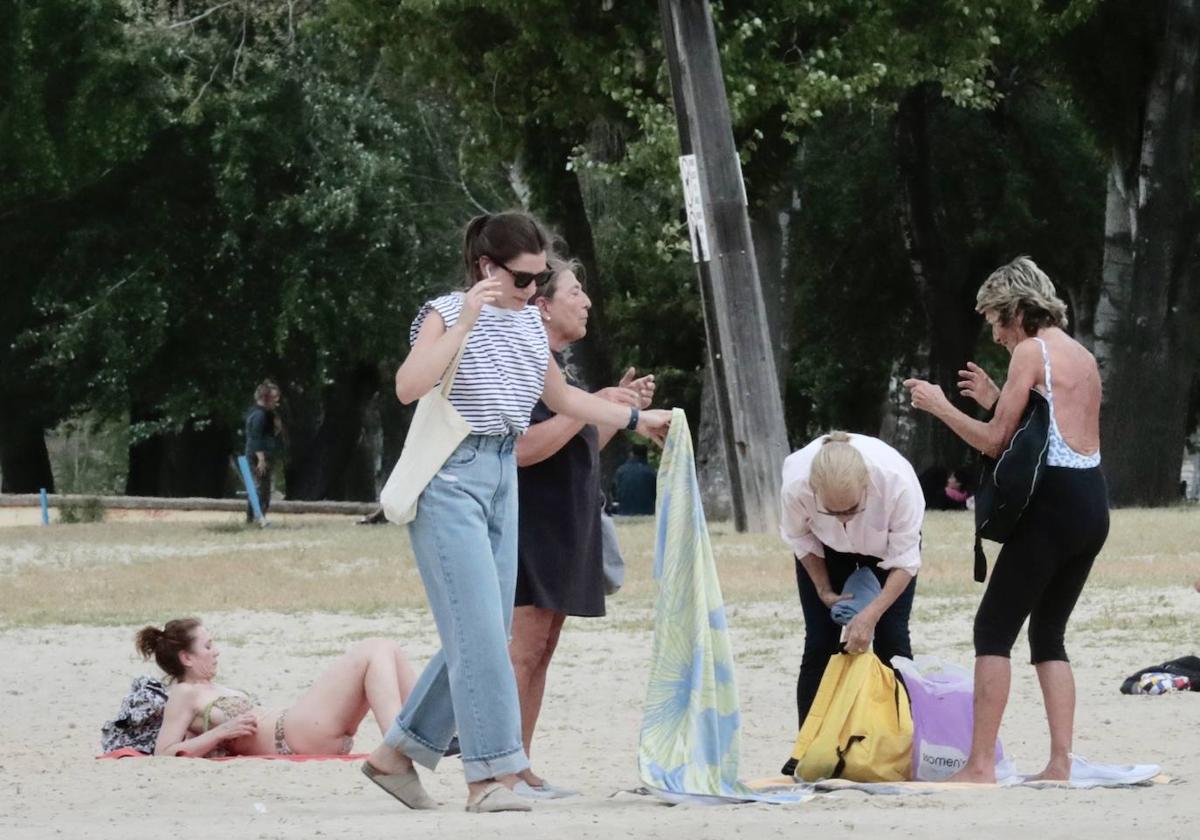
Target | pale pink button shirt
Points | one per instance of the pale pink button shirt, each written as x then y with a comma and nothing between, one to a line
888,527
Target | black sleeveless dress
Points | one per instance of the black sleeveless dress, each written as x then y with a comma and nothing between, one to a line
559,561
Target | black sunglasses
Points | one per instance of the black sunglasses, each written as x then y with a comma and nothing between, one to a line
521,279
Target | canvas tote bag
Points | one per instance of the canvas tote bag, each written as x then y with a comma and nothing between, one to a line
436,431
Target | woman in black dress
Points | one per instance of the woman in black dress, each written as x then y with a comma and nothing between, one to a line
559,564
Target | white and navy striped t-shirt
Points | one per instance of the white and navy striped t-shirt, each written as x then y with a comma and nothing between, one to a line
503,368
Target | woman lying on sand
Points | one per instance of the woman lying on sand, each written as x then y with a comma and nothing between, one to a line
204,718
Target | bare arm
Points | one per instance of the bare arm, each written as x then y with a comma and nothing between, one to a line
974,383
818,573
431,354
543,439
895,584
562,398
436,346
991,436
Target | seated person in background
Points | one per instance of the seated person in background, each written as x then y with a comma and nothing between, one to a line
959,490
636,484
946,490
203,718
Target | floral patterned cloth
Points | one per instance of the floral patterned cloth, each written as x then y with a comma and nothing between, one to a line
137,723
691,729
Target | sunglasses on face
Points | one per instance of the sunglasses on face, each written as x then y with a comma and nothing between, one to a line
846,514
521,279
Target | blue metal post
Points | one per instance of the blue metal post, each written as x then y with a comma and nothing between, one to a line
251,490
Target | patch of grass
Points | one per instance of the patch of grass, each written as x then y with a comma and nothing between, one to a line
232,527
123,572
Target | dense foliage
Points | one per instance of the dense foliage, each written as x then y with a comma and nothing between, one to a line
195,194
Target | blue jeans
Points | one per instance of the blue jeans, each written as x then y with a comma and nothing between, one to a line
465,541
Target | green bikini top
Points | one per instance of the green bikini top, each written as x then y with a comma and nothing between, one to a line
231,705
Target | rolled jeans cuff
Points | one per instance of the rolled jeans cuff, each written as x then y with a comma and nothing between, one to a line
495,766
474,769
413,746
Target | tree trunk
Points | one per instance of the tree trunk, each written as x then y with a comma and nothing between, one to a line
951,324
190,463
556,191
24,461
326,459
1146,316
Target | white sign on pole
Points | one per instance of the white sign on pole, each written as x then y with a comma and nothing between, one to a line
692,200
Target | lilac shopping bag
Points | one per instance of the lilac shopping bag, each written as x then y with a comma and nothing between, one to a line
941,695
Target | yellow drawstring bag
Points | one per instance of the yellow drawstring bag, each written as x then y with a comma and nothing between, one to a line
859,727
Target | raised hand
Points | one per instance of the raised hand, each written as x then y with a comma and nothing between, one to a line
643,385
975,383
621,395
486,291
926,396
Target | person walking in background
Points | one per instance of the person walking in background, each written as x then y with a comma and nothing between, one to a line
560,563
1045,563
464,536
636,484
264,434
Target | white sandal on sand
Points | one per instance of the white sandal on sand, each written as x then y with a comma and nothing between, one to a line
496,798
543,791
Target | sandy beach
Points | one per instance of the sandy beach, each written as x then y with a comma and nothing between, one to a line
62,680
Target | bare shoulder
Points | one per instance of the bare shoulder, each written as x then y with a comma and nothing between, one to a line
1026,364
184,694
432,328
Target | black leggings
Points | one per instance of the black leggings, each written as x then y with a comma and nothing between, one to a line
1042,568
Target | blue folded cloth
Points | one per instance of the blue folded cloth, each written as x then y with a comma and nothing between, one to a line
864,586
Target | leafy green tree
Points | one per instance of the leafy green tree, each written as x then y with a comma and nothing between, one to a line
1133,67
279,217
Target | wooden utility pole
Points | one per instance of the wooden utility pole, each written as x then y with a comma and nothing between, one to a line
735,320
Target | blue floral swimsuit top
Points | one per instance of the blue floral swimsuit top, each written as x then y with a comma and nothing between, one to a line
1060,454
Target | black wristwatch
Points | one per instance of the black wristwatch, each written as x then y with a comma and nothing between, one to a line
633,420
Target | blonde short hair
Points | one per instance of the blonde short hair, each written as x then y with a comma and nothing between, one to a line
838,471
1021,290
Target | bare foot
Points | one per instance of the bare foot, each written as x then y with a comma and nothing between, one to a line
389,761
975,776
1056,771
530,778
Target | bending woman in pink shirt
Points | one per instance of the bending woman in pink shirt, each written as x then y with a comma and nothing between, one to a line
851,501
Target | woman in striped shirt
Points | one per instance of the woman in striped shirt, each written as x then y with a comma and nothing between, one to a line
465,533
